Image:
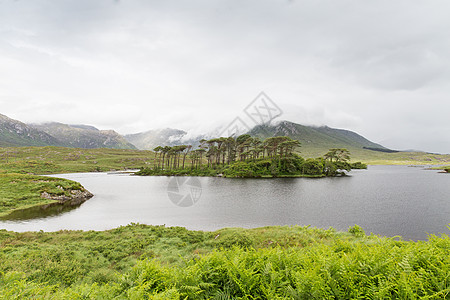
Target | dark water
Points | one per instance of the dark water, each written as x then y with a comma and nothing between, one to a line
386,200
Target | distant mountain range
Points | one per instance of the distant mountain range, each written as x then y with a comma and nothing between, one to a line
84,136
14,133
314,140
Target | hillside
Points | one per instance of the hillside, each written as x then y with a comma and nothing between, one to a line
161,137
15,133
317,140
84,136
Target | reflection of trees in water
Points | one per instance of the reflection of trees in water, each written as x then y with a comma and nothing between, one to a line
42,212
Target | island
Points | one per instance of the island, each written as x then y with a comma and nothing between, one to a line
247,157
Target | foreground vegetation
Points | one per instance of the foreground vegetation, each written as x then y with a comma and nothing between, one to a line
155,262
19,191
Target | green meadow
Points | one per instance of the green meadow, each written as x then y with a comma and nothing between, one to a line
57,160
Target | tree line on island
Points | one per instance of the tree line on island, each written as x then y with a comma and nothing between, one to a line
247,156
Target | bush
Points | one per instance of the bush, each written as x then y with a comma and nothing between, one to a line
358,165
235,238
356,231
242,169
312,167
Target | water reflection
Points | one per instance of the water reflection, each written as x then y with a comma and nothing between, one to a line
42,212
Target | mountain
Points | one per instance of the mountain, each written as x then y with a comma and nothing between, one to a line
84,136
161,137
15,133
316,140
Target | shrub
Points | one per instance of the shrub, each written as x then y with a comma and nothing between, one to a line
229,239
242,169
356,231
358,165
312,167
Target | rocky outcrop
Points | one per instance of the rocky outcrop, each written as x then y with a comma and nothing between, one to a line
75,197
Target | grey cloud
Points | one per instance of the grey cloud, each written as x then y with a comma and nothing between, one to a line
365,66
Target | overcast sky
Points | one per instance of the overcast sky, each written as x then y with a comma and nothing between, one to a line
380,68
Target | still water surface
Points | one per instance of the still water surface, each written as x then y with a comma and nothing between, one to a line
386,200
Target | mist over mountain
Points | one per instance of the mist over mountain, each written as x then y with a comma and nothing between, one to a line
148,140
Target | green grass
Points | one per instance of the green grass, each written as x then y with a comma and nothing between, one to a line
381,158
155,262
443,168
57,160
399,158
19,191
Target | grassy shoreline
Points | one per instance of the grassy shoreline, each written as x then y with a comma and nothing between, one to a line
22,191
443,168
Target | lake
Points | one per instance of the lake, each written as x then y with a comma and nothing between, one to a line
385,200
